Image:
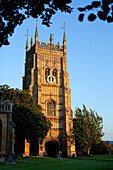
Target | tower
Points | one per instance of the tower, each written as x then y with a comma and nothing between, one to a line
47,79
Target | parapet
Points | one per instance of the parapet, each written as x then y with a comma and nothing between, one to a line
6,106
47,46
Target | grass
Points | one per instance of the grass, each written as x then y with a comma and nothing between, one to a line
56,164
99,157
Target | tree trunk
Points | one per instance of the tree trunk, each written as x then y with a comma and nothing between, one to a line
88,151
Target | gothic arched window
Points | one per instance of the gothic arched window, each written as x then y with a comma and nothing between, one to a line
0,134
51,108
55,74
47,73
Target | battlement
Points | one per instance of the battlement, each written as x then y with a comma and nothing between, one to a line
47,46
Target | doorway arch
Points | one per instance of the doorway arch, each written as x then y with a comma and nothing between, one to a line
51,147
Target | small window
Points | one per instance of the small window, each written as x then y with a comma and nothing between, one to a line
2,107
47,73
51,108
8,107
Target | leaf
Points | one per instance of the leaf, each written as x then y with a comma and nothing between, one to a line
92,17
96,4
81,9
89,7
102,15
109,19
81,17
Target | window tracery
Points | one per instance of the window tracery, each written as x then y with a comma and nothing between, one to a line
51,108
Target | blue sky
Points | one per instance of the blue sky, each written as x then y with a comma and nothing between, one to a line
89,56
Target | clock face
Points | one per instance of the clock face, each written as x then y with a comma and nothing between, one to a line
51,79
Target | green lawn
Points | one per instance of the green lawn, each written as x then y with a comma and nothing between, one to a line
98,157
56,164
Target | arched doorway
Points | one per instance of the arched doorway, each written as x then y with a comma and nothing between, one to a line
51,148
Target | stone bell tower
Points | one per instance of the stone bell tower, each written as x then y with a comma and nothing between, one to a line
47,79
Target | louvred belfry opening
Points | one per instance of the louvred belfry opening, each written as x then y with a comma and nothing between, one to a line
55,74
47,73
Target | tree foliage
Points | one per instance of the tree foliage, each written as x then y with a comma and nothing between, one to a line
28,117
87,128
14,12
100,148
102,9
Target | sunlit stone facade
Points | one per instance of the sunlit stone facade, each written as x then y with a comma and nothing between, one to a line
47,79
